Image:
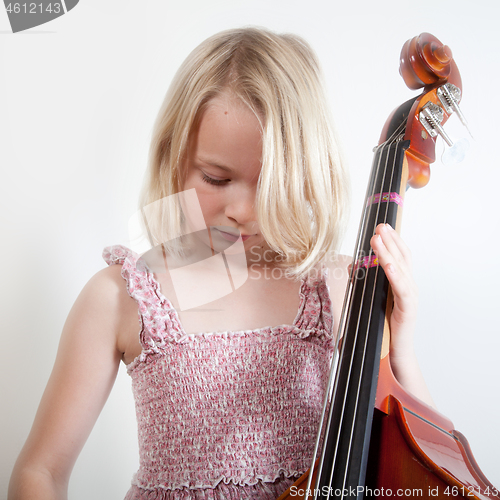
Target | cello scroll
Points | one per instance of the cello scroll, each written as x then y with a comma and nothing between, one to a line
426,63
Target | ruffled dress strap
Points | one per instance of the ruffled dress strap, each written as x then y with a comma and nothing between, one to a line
315,308
158,318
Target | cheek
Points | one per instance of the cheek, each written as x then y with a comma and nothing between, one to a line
211,205
210,202
203,196
211,199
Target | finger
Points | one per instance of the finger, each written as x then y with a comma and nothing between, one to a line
394,244
384,246
398,273
396,270
385,259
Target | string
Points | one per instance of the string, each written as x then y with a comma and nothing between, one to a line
353,420
371,302
347,311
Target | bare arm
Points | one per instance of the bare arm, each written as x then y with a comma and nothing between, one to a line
83,375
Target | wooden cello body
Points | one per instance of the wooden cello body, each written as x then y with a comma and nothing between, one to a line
377,439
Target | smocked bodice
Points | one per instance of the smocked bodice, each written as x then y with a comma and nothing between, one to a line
231,410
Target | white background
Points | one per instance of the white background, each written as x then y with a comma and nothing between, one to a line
78,97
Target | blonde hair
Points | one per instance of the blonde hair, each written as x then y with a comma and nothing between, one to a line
303,189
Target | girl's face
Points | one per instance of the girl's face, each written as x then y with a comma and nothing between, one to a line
223,164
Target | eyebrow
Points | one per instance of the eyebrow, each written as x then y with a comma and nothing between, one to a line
214,163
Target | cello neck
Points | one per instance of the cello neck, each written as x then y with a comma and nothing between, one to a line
348,428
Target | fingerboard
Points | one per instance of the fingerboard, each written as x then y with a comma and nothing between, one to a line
348,429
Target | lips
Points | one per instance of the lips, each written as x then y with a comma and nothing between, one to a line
232,236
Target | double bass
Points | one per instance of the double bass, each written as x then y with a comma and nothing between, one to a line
378,440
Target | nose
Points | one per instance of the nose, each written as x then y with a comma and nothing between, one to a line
241,206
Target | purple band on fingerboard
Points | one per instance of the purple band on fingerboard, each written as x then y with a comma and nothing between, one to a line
384,198
367,262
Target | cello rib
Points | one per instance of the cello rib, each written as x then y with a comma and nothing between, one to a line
414,447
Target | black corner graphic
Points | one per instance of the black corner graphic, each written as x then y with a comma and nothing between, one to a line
70,4
25,15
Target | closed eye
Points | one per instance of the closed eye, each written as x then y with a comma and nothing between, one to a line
214,182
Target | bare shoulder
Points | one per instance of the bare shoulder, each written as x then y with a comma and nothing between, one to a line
107,285
338,270
106,299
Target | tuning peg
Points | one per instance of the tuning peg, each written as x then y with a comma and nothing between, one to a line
450,96
431,117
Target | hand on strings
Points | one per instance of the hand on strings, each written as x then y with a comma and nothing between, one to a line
395,258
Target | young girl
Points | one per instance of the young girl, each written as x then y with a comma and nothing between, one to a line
229,386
